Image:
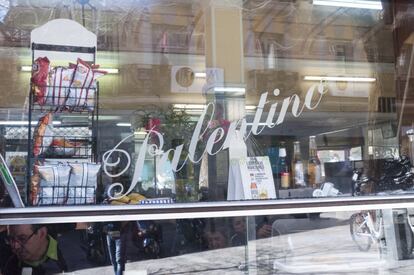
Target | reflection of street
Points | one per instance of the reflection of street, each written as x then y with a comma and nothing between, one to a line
319,251
330,251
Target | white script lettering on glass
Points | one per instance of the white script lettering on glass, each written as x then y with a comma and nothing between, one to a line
312,99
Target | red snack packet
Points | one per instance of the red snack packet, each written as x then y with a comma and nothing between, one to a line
43,135
63,147
40,72
73,66
34,190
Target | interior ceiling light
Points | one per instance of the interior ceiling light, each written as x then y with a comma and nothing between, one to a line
230,89
339,78
359,4
202,106
189,106
27,68
200,75
110,70
123,124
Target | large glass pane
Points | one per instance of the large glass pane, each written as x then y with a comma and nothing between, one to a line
362,242
357,242
204,101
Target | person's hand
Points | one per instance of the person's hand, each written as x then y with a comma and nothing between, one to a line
264,231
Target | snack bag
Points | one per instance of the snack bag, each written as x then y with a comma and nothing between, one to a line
83,182
93,66
58,89
82,89
34,188
43,134
53,187
40,72
64,147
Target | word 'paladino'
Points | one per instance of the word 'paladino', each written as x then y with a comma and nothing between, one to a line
311,101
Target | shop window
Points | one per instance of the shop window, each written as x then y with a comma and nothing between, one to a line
148,103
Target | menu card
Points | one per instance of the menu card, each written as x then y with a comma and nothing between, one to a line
257,178
251,178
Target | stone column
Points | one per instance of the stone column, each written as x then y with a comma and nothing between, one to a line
224,50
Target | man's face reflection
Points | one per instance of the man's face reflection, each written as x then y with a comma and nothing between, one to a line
216,240
239,225
26,243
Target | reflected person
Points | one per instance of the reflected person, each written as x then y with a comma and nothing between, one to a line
216,238
238,237
116,237
5,251
34,250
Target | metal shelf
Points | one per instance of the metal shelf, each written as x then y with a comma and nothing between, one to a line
71,142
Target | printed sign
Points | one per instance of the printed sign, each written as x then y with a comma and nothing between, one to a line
257,178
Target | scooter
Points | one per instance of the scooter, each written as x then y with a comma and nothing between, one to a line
396,175
148,239
96,249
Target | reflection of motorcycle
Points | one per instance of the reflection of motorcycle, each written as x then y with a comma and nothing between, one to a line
148,239
97,248
189,236
396,175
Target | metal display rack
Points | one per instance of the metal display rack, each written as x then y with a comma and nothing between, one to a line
74,137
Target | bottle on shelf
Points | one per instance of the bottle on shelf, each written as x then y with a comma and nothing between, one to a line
314,165
273,153
284,173
298,174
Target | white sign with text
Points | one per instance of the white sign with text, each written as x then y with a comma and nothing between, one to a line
256,178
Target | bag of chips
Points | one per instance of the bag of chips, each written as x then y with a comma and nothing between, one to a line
34,188
53,187
40,72
82,89
58,89
83,182
64,147
43,134
93,66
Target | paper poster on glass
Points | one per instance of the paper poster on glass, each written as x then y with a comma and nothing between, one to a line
257,178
